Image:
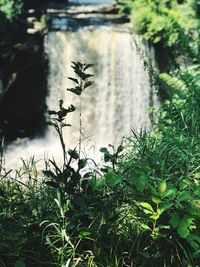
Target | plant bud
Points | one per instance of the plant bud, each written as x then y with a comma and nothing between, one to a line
162,187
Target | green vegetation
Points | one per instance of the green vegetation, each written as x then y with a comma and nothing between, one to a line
11,8
173,22
171,25
141,206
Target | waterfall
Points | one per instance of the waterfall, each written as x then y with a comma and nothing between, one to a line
118,100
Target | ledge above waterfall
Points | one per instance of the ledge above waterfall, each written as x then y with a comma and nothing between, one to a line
76,15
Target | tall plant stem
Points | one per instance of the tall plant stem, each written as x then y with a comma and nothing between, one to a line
60,133
80,127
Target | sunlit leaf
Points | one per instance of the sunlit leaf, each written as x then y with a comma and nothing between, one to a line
85,234
147,208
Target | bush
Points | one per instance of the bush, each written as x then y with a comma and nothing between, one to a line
12,9
174,24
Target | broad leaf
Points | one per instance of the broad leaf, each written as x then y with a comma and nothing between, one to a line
147,208
113,179
73,153
82,163
139,182
184,226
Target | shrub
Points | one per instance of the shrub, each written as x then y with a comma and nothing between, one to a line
171,23
12,9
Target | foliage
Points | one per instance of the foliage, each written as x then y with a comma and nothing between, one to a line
67,181
22,208
175,24
139,208
11,8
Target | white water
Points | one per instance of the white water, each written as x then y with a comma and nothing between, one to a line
118,100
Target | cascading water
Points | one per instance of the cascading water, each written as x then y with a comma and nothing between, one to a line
119,99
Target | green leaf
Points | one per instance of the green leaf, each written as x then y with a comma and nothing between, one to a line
145,226
183,230
73,79
87,66
96,183
182,196
49,242
120,148
147,208
82,163
175,219
71,108
197,175
66,125
184,226
87,84
183,184
155,216
52,112
86,76
194,241
73,153
103,150
161,226
19,263
49,174
196,188
165,206
169,193
156,200
157,39
84,234
113,179
77,90
139,182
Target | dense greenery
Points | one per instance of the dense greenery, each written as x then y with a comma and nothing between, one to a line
172,25
141,205
173,22
11,8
